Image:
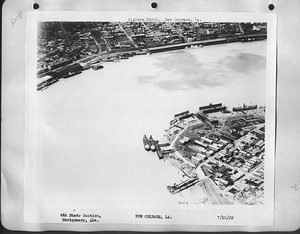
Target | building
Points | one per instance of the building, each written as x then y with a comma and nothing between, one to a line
185,116
210,106
213,147
244,108
184,140
207,140
200,143
182,114
213,110
59,64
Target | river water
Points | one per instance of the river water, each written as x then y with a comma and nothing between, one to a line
91,125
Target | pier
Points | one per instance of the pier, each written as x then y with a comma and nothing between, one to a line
243,38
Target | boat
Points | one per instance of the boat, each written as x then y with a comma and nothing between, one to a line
111,59
146,143
142,52
41,88
97,66
124,56
71,73
45,84
194,46
176,188
153,143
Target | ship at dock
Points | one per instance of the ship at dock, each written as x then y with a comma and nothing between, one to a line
46,83
193,46
176,188
70,74
111,59
153,143
146,143
97,66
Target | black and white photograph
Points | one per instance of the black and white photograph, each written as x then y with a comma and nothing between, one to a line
150,116
157,112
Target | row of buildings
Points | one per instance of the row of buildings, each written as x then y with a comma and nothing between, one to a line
227,145
61,43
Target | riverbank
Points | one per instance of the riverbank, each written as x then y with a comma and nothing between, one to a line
116,56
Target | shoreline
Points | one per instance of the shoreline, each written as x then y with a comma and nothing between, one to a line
222,144
78,66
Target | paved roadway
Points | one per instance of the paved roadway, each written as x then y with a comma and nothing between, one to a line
213,192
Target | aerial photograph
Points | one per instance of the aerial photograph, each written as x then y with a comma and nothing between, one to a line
153,113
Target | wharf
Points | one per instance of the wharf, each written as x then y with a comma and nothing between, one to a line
243,38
